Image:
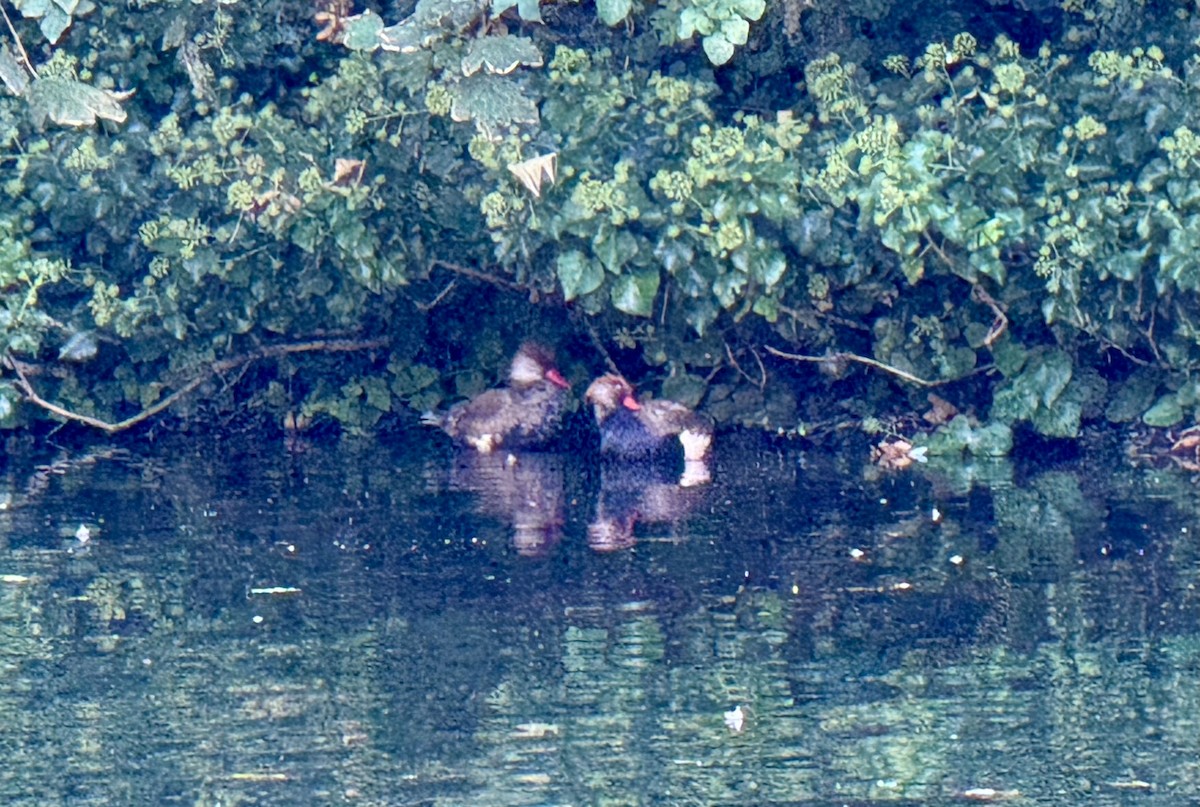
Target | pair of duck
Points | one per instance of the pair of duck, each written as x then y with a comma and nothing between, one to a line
527,412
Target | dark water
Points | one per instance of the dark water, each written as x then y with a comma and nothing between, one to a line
386,625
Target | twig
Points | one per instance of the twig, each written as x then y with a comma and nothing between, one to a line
477,275
762,368
599,345
887,368
216,368
1108,344
20,46
1000,323
797,315
760,382
436,301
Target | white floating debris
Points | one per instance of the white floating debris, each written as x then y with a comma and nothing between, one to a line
535,731
735,719
83,534
990,794
957,560
275,590
936,515
857,553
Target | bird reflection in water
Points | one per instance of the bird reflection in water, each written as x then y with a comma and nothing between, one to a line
646,492
520,488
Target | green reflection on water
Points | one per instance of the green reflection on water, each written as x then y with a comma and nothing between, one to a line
354,624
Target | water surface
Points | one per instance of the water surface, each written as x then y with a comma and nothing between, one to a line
384,624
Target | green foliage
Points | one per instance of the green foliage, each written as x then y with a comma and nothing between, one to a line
961,434
53,16
961,207
475,91
723,25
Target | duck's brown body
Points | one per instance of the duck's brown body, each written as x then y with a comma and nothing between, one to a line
632,428
525,414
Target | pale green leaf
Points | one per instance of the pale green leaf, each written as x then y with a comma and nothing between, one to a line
1165,412
736,30
32,8
500,54
1133,397
529,10
718,49
54,23
361,32
612,12
491,101
694,21
769,268
577,274
614,248
685,388
1060,420
12,73
751,9
72,103
634,292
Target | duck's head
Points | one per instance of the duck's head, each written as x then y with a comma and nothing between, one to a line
533,364
608,393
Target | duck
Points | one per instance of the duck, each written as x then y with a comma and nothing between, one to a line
632,429
524,414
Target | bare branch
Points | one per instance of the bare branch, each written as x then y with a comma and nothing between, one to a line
216,368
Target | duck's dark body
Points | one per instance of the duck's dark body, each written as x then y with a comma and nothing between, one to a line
650,429
624,434
525,414
514,418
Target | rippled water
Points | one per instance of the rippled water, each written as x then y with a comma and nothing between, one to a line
389,625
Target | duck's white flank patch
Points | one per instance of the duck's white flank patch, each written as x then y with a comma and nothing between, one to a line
484,443
695,444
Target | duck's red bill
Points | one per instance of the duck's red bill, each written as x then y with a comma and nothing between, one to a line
556,378
629,402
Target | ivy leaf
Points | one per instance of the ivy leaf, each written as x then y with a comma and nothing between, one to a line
634,292
491,102
692,20
769,268
1060,420
728,287
362,31
12,73
1165,412
614,248
1051,375
577,274
701,314
612,12
736,30
685,388
53,16
750,9
1177,261
500,54
1133,397
407,36
718,49
528,10
73,103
